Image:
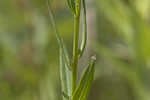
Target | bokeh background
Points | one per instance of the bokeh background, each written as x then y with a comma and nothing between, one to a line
118,33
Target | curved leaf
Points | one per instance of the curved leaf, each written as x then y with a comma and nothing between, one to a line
84,34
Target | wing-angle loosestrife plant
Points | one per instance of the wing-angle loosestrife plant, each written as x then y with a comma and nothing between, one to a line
71,90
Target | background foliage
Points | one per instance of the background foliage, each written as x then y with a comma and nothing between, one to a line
29,51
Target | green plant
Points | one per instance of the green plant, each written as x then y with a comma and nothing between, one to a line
68,71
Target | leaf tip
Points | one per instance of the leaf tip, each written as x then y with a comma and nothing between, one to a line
93,58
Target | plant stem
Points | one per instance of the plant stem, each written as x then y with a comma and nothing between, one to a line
75,45
75,52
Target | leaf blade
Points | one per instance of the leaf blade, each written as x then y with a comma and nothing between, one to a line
59,39
85,83
84,34
65,77
65,71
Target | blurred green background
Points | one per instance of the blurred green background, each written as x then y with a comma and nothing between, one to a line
118,33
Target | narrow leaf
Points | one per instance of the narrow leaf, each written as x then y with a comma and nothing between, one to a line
65,72
66,79
59,39
84,34
83,88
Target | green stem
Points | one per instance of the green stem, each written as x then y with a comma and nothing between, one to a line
75,45
75,52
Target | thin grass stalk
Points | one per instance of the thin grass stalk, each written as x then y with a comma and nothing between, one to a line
75,44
